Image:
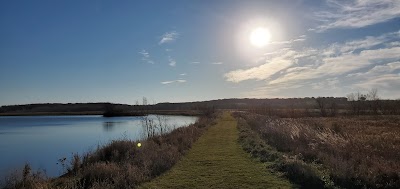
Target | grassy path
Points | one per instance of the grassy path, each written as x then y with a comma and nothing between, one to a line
216,160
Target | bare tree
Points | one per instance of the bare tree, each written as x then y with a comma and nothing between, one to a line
352,99
162,124
208,111
144,106
364,103
333,107
149,127
373,97
321,105
144,101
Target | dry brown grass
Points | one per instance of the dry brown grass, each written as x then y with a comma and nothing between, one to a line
26,179
358,152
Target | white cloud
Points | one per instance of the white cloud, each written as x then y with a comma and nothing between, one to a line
376,71
172,62
144,53
330,83
369,41
182,74
299,39
146,56
264,71
217,63
169,37
385,83
174,81
394,44
340,64
356,13
194,63
168,50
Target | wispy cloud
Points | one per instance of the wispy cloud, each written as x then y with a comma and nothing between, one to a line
194,62
171,61
367,42
146,57
182,74
356,13
217,63
330,83
173,81
168,50
387,82
144,53
340,64
299,39
357,63
283,60
169,37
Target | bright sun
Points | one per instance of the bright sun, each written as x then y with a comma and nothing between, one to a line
260,37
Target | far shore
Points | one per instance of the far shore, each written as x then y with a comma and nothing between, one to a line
100,113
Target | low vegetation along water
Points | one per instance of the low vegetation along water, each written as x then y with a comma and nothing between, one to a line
43,140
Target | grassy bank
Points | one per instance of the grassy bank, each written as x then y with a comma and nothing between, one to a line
119,164
347,152
218,161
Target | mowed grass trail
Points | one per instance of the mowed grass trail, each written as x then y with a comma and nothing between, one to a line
217,160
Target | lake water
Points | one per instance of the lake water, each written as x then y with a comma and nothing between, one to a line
42,140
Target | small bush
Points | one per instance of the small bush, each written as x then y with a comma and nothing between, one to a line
301,174
26,179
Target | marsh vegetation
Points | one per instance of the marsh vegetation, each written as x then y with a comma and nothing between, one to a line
320,152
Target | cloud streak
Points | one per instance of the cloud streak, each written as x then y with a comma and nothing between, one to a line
299,39
173,81
168,37
271,67
146,56
356,13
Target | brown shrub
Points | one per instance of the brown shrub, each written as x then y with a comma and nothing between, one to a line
26,179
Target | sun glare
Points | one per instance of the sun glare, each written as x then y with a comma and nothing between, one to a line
260,37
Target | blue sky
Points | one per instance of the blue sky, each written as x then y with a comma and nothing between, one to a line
175,51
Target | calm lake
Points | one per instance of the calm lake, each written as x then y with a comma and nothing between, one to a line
42,140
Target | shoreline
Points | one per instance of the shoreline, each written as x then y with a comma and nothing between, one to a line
100,113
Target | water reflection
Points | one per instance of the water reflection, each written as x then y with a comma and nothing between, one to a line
42,140
110,125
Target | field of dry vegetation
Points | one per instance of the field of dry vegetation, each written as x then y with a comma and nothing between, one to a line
346,152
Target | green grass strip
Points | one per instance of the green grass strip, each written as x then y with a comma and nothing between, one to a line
216,160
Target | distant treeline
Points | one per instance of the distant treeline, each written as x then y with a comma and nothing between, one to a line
244,103
323,106
55,107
